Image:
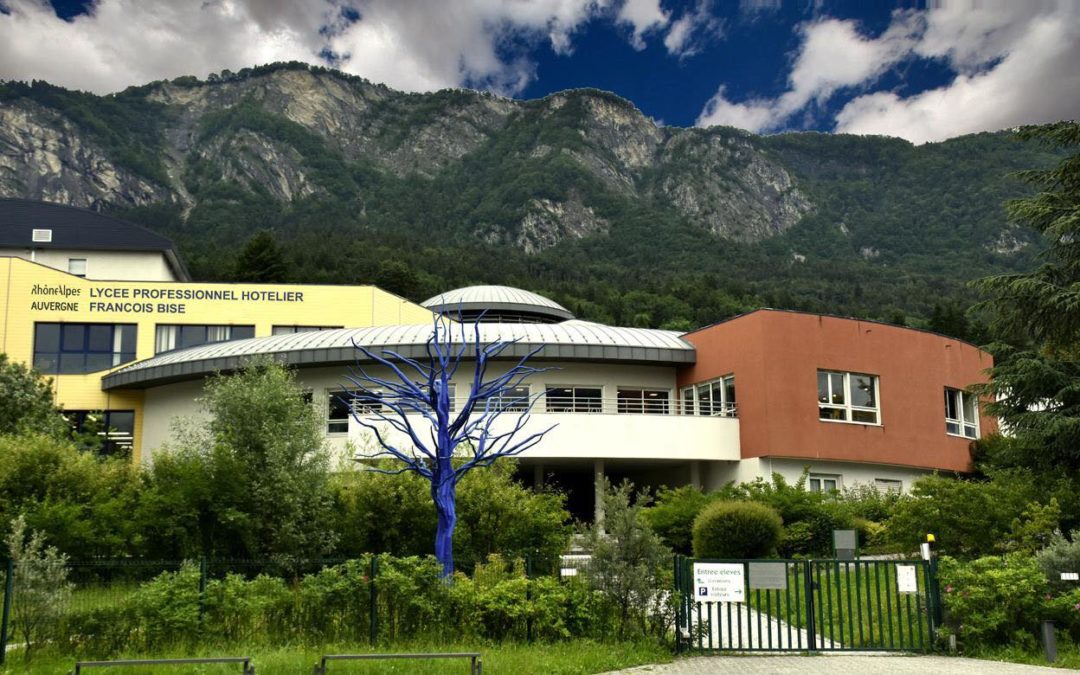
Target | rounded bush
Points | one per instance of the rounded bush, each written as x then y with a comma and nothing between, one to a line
737,530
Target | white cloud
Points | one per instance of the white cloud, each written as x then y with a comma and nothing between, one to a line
832,55
1015,63
1014,70
689,32
643,16
415,45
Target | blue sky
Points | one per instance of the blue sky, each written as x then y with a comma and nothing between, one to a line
903,69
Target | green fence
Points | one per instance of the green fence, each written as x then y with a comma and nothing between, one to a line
806,605
111,606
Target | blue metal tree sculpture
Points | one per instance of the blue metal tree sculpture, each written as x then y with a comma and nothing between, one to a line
418,395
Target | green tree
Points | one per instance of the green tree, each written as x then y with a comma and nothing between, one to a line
26,401
261,261
41,584
254,481
82,502
630,563
1035,390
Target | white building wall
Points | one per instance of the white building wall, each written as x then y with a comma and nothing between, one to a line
851,473
107,265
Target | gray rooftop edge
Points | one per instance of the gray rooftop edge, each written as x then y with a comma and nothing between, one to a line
176,371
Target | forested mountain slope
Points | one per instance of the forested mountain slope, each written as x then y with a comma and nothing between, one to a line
577,195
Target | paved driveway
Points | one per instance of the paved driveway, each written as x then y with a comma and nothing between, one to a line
835,664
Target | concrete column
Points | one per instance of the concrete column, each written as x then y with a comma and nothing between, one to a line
538,476
598,491
695,474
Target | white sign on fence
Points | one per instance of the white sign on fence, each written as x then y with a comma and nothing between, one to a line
906,579
1070,576
719,582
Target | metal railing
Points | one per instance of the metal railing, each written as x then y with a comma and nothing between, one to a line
244,660
606,405
476,665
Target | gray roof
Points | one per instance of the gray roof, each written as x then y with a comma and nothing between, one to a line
79,229
567,341
498,298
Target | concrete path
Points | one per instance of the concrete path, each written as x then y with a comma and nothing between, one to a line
835,664
737,626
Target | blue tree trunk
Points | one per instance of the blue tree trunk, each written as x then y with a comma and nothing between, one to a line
444,494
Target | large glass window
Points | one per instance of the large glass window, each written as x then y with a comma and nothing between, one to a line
714,398
638,400
115,429
514,399
848,397
961,413
69,348
178,336
575,399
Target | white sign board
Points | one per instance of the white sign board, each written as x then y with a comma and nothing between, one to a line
906,579
1070,576
719,582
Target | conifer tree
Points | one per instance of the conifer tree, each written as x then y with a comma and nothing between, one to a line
261,261
1036,389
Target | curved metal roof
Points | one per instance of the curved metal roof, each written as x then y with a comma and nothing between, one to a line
497,299
567,341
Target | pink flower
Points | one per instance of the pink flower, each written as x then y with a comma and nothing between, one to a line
1048,596
1076,607
948,589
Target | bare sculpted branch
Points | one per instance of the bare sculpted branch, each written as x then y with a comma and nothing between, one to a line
416,400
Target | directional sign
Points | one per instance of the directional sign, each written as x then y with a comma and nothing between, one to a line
719,582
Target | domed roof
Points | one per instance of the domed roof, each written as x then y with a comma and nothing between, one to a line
498,304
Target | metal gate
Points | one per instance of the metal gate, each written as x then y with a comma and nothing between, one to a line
806,605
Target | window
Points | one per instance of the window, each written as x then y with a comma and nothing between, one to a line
847,397
648,401
822,482
285,330
68,348
575,399
173,336
514,399
340,405
714,398
888,485
116,428
961,414
77,266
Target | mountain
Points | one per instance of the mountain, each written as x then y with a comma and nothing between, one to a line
577,194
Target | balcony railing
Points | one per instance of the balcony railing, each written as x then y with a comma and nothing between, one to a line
595,406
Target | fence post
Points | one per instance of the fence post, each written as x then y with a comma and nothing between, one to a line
374,602
9,589
808,585
935,593
677,578
528,597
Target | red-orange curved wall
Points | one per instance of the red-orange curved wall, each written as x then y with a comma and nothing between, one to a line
775,356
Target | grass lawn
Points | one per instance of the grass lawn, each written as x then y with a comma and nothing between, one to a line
1068,655
573,657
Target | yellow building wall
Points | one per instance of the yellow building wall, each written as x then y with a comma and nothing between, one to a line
32,293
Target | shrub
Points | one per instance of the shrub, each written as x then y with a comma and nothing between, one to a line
1061,555
994,600
821,513
737,530
968,518
672,516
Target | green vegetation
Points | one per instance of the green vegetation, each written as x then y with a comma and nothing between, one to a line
578,657
27,404
737,530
